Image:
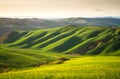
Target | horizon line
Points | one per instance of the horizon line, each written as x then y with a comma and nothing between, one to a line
30,17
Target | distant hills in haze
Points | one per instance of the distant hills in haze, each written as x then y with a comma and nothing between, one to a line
8,24
34,23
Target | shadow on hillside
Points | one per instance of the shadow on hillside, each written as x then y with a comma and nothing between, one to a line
73,41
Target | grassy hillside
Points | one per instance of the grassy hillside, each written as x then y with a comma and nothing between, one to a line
11,58
89,40
100,67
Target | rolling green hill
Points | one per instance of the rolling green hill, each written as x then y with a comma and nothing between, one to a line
11,58
84,40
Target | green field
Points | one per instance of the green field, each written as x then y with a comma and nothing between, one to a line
66,52
95,67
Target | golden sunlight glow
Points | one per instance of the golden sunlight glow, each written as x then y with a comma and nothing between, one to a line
59,8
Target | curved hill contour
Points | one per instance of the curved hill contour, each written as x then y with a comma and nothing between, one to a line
84,40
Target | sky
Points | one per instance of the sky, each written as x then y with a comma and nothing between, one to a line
59,8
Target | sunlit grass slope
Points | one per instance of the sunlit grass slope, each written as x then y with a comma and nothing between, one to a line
100,67
85,40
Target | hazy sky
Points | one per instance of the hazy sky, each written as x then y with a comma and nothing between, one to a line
59,8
